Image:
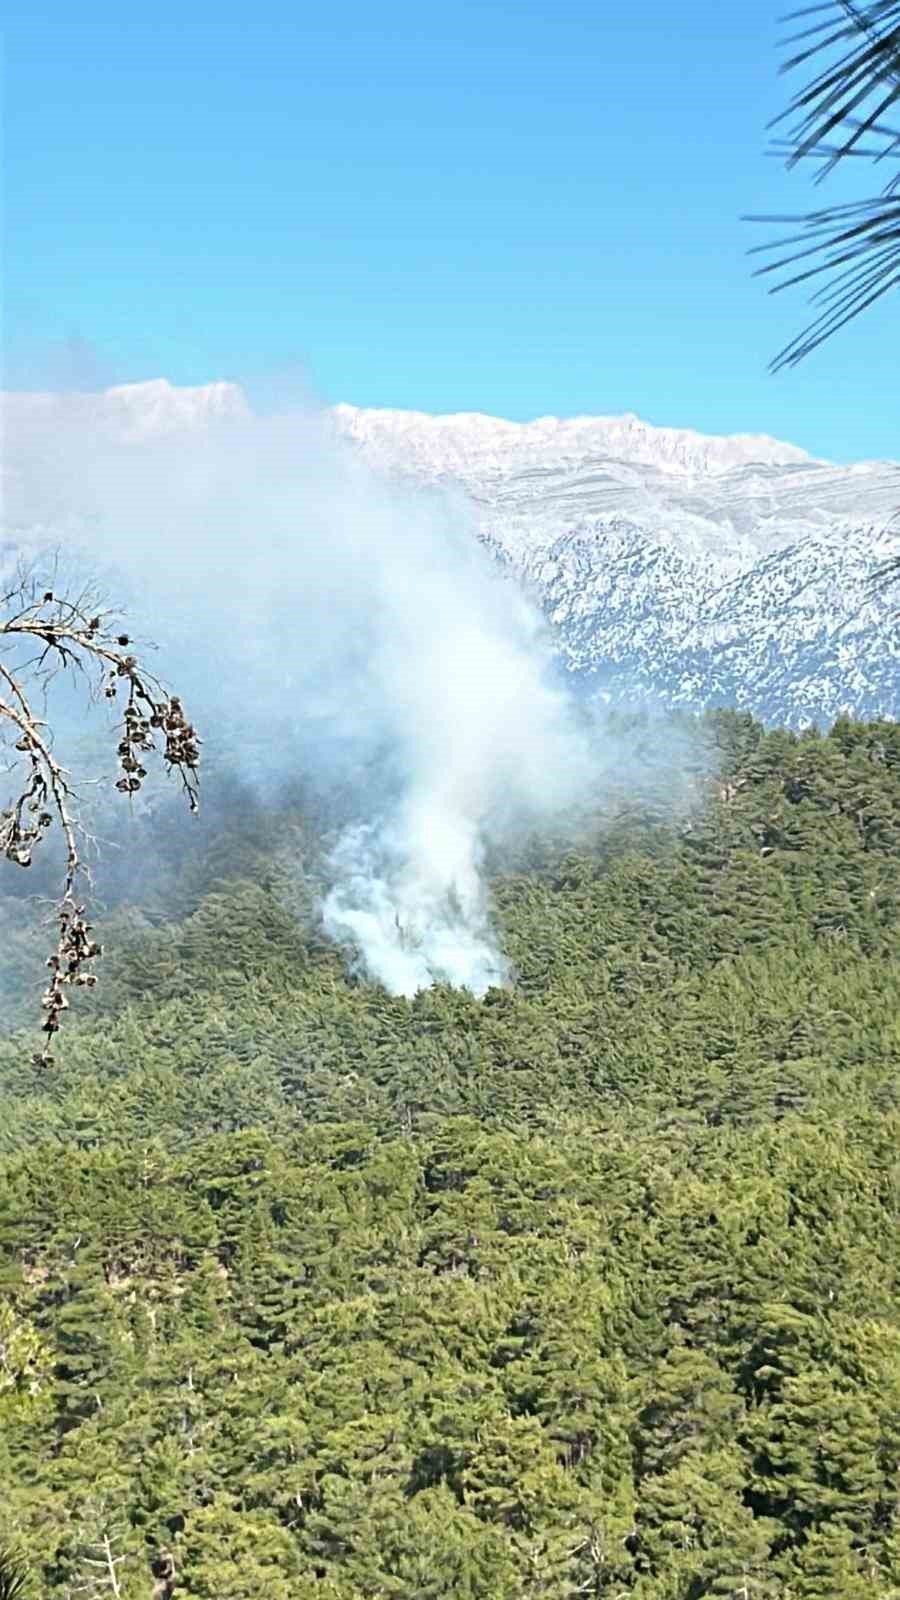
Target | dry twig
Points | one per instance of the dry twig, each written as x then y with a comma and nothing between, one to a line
41,635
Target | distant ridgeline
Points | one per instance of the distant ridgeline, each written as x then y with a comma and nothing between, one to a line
678,569
589,1288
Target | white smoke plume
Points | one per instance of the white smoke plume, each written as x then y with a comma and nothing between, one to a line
330,622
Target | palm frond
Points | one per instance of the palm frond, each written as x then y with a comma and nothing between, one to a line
854,250
856,90
13,1576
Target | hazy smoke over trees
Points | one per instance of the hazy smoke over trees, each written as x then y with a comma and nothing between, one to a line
327,622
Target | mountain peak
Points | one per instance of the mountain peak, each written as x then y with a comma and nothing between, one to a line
673,567
138,409
452,442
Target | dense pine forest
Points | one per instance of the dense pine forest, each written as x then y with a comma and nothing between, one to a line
585,1289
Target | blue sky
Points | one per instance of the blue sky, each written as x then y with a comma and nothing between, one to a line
449,205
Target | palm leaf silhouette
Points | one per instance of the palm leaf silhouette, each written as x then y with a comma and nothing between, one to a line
13,1576
849,254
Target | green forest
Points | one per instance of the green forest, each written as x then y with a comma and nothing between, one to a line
588,1288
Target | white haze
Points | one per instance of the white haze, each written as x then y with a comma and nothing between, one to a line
335,623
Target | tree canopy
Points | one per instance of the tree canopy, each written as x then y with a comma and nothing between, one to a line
589,1288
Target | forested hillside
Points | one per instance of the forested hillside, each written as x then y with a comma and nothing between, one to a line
589,1288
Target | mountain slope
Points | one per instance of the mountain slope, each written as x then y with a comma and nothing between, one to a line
675,568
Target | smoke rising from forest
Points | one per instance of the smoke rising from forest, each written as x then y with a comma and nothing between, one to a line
323,621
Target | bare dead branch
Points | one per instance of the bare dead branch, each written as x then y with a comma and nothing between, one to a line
68,637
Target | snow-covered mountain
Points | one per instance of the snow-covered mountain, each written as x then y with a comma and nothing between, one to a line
677,568
137,409
674,568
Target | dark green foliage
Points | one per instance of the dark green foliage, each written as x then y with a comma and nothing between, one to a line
586,1289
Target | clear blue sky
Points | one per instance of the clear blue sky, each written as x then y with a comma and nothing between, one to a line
523,208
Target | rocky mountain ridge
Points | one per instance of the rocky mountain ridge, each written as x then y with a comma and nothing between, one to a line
674,568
